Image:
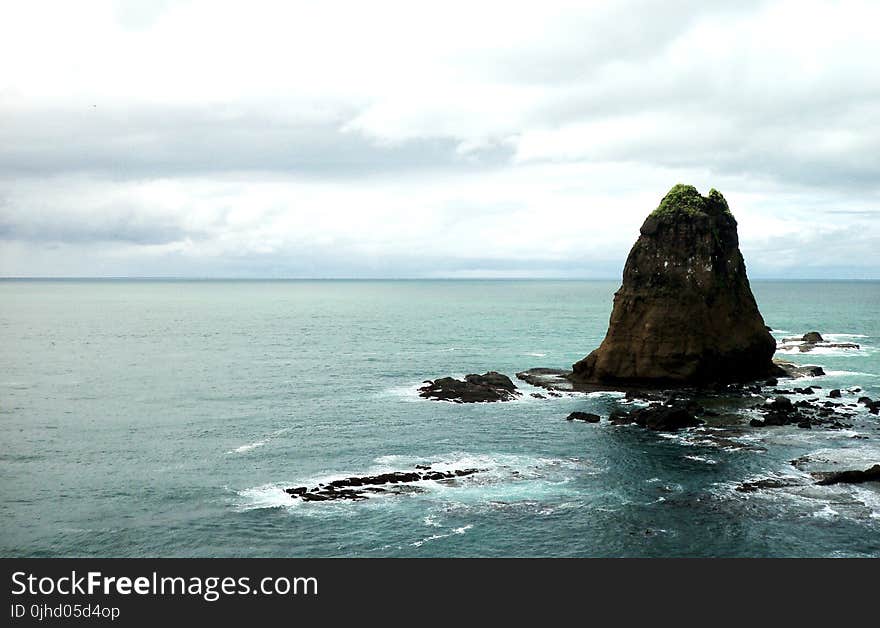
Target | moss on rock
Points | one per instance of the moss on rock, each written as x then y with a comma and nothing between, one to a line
685,199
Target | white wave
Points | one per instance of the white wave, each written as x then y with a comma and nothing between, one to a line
16,385
248,447
702,459
536,355
503,478
265,496
672,436
827,512
828,351
836,337
612,394
406,392
822,380
870,497
858,455
260,443
435,537
496,466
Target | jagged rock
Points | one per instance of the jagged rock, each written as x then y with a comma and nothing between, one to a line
850,477
834,394
665,419
620,417
550,379
685,312
781,404
795,370
589,417
351,488
491,386
658,417
493,379
776,418
756,485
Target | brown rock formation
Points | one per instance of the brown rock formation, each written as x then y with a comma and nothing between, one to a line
685,313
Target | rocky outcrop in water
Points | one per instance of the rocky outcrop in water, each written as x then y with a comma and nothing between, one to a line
491,386
753,486
587,417
856,476
811,340
787,369
685,313
360,487
661,417
873,406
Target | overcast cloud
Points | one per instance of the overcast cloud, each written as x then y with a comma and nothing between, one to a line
410,139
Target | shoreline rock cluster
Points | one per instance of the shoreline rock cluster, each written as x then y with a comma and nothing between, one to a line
684,327
360,487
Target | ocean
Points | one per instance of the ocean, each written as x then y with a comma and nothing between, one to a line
165,418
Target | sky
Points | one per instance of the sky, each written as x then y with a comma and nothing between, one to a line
431,139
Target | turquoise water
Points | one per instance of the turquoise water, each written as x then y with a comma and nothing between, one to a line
163,418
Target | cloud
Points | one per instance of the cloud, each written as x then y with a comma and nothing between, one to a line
403,139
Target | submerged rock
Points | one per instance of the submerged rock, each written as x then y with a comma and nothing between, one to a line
685,313
491,386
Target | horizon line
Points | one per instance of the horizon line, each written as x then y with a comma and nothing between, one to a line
477,278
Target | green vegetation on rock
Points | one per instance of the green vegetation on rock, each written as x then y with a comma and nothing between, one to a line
686,200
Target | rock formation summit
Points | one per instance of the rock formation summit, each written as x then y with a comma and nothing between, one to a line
685,314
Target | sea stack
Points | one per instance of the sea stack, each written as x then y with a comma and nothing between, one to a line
685,314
